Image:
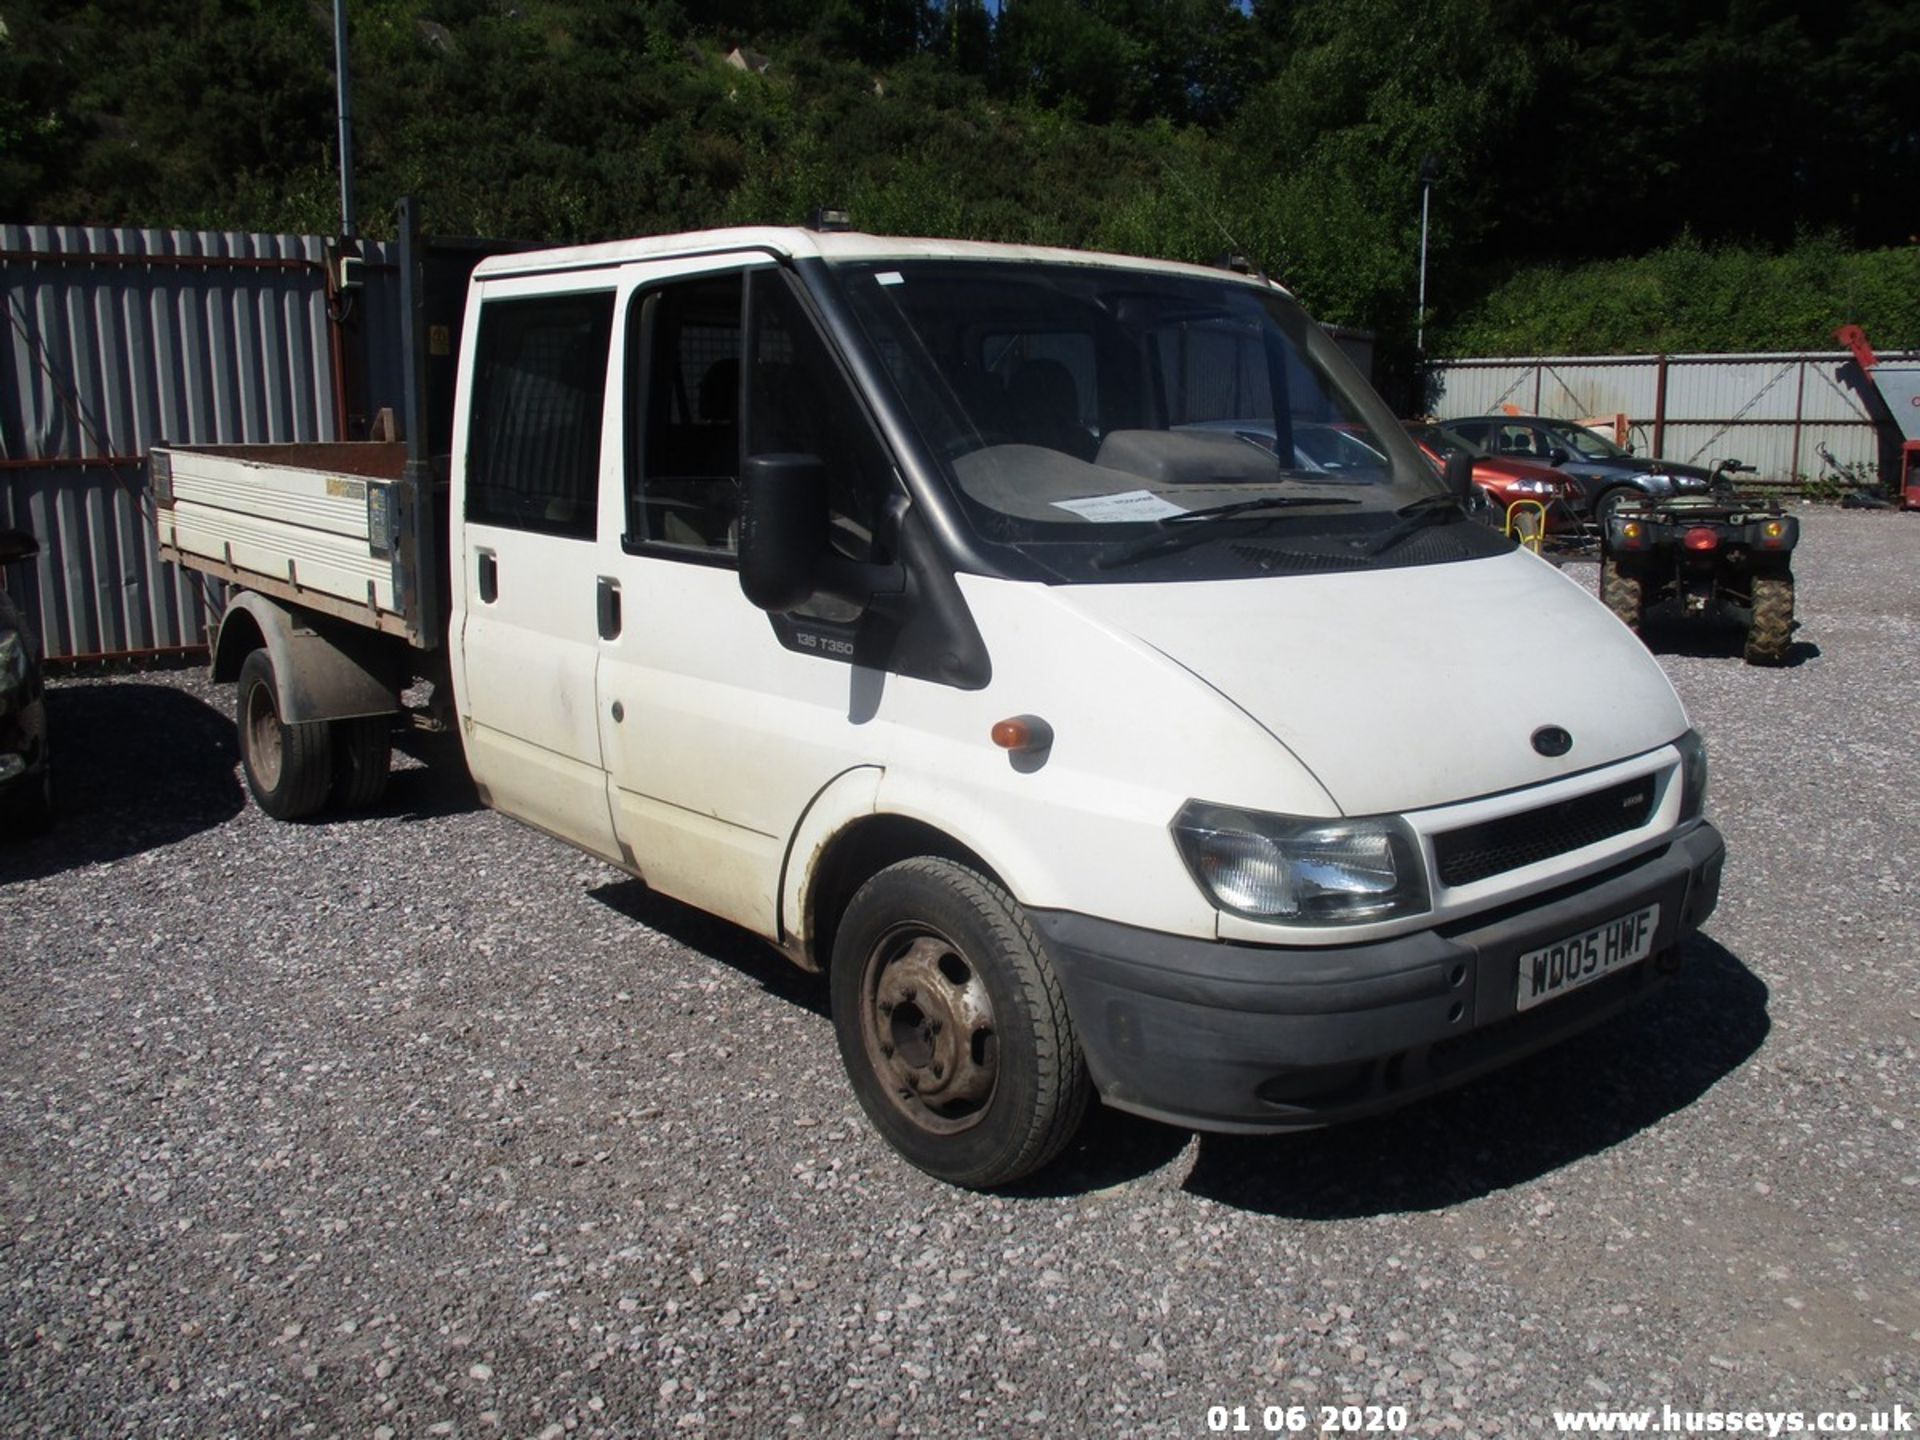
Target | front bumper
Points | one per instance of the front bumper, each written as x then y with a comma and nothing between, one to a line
1223,1036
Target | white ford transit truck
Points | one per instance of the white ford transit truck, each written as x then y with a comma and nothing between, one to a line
1066,654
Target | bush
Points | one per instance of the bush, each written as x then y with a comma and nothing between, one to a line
1686,298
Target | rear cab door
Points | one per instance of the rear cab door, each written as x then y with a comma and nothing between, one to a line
531,428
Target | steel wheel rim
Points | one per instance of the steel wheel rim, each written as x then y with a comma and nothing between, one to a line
927,1024
263,737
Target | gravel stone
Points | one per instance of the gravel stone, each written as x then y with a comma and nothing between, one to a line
418,1122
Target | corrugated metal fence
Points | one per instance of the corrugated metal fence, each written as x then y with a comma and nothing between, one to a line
115,340
1775,412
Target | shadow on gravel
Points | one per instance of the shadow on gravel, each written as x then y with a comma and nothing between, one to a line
135,767
720,940
1111,1149
1668,633
1514,1125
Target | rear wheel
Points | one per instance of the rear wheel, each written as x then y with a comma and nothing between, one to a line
1772,627
362,758
1623,592
289,767
953,1027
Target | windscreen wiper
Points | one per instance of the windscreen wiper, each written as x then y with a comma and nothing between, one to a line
1189,526
1427,510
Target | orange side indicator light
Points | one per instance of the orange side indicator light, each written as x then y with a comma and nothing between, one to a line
1023,734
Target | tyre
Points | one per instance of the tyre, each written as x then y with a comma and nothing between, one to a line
1612,499
1772,625
289,767
953,1026
362,759
1623,592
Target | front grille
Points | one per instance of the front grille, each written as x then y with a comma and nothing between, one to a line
1493,847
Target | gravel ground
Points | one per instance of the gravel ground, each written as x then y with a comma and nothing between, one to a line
423,1124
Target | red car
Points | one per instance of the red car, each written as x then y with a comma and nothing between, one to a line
1505,479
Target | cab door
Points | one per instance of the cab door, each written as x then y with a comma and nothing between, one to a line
526,596
716,735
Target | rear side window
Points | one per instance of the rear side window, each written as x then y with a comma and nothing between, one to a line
1521,440
540,374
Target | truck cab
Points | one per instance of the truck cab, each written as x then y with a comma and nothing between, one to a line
985,627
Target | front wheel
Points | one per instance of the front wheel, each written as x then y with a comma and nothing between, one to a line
289,768
953,1026
1772,627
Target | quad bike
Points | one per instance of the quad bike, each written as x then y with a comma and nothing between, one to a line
1719,549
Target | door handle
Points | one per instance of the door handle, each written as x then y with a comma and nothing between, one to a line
607,607
489,578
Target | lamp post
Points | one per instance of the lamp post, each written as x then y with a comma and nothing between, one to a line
1429,177
343,91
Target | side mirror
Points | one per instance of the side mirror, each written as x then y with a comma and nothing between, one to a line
17,545
1557,456
783,529
1459,476
786,558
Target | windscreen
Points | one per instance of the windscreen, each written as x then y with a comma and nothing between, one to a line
1075,408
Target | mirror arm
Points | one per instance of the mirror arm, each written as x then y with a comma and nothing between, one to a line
859,582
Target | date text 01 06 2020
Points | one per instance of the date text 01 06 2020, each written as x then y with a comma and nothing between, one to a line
1307,1419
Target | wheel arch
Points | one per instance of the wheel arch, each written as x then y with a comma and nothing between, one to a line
843,860
322,669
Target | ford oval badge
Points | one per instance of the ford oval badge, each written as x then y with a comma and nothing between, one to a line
1552,741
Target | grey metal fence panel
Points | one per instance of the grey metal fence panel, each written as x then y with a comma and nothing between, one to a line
115,340
1783,413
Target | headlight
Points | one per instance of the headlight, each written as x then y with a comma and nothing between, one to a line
1535,487
1693,775
1302,872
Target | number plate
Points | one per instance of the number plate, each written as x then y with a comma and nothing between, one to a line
1581,959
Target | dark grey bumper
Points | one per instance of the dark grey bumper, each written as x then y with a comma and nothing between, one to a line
1224,1036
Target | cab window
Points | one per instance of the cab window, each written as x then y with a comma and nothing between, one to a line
533,453
799,403
683,486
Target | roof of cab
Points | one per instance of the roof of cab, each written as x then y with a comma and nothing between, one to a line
796,243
